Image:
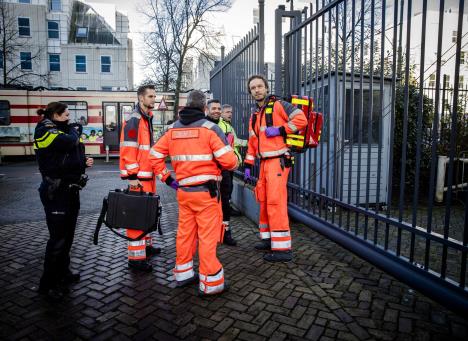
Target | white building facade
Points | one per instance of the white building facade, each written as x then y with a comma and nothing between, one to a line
67,44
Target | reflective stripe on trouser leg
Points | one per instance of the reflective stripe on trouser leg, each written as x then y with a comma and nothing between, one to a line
137,248
263,225
264,231
280,240
212,284
184,271
277,203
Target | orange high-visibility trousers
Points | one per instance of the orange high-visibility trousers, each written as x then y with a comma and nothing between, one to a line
200,218
271,192
137,249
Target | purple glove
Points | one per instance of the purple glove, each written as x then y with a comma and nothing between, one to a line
175,185
272,131
247,176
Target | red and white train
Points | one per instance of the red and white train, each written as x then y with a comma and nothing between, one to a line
100,112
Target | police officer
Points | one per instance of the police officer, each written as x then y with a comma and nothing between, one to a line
62,164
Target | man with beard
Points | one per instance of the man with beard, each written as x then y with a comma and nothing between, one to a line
272,120
136,141
198,149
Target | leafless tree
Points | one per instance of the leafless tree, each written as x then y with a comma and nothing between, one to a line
10,46
181,29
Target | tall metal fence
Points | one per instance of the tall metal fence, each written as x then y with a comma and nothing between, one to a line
388,178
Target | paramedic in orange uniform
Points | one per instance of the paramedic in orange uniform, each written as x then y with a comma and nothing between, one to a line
268,126
136,141
199,151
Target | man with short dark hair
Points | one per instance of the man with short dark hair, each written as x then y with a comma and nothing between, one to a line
135,143
268,126
198,152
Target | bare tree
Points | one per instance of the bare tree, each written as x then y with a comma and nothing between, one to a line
10,46
181,29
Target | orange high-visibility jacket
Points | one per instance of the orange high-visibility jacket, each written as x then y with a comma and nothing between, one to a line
197,150
263,147
136,140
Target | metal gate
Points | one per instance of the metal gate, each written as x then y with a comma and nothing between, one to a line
371,183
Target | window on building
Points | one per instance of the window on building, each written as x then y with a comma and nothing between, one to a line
25,58
55,5
106,88
24,28
82,32
54,62
24,1
5,113
105,64
461,82
81,88
454,36
80,63
53,29
78,112
432,79
446,81
462,57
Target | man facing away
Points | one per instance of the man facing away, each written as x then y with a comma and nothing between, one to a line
228,176
197,149
268,126
135,142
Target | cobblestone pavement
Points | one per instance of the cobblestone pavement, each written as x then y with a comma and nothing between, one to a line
327,293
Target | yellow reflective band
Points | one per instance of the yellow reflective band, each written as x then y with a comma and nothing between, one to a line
294,136
300,101
292,142
268,110
47,141
43,137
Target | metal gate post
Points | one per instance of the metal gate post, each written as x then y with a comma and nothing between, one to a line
261,37
222,74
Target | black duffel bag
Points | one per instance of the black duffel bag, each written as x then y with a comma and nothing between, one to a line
134,210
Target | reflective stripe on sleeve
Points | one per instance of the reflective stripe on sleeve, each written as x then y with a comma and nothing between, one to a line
156,154
131,166
222,151
144,147
199,157
143,174
292,126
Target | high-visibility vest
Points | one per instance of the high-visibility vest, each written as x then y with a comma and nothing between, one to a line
227,128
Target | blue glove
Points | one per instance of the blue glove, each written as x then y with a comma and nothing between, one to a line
272,131
175,185
247,176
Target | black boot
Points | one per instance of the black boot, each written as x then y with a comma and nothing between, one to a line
71,278
278,256
140,265
152,251
53,293
263,245
228,240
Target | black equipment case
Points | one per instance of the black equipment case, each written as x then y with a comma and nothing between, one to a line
134,210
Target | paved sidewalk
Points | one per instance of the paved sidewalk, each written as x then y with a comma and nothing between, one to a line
327,293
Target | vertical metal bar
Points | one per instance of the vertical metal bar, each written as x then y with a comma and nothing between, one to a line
462,280
382,109
278,49
392,123
222,74
343,112
314,174
261,36
327,177
322,106
287,52
302,180
309,152
453,135
419,128
360,115
405,125
336,118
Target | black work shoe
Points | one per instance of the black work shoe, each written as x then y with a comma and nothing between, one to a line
235,212
71,278
152,251
188,281
140,265
226,288
228,240
278,256
263,245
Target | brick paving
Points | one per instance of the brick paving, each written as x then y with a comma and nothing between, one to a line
326,294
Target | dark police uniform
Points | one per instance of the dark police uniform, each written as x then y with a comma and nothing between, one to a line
62,162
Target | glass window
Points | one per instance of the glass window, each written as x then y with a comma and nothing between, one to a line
80,63
110,112
105,64
25,58
5,113
24,1
106,88
82,32
53,29
24,27
78,112
374,134
55,5
54,62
